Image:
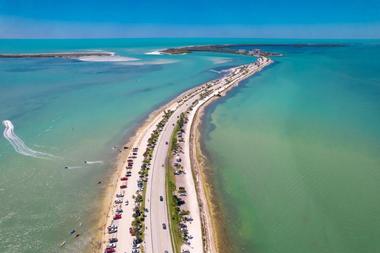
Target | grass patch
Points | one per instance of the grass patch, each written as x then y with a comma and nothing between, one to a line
172,200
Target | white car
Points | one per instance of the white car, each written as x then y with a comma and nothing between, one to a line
112,245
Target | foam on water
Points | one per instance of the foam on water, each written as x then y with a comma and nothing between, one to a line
113,58
19,145
154,53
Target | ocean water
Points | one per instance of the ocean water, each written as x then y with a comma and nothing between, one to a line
77,111
294,150
295,153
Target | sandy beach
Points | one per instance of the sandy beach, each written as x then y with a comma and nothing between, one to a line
98,240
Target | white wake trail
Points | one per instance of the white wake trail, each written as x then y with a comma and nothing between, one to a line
19,145
93,162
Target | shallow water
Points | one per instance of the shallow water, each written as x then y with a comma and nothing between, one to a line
295,154
77,111
286,147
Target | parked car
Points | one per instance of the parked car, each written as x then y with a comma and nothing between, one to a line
112,230
117,216
163,225
111,245
110,250
113,239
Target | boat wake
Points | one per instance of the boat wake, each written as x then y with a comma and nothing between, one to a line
93,162
19,145
73,167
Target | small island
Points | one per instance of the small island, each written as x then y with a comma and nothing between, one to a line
226,48
243,49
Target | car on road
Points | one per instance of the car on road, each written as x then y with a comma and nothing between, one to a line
117,216
163,225
112,230
111,245
166,142
161,198
113,239
110,250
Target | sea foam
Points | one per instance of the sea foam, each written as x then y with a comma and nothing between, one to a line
19,145
154,53
113,58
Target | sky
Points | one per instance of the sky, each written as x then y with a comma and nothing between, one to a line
185,18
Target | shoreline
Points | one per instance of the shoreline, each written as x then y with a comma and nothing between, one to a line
211,232
214,238
98,240
211,237
111,189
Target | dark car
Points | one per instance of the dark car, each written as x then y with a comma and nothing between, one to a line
161,198
163,225
114,239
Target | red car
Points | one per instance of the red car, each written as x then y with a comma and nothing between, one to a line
117,216
124,178
110,250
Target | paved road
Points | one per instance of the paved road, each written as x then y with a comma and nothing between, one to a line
157,239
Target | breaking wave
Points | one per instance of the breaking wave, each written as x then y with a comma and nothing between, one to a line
19,145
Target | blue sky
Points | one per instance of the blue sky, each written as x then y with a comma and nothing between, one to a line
196,18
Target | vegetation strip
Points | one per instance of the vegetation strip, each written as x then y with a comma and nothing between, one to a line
173,201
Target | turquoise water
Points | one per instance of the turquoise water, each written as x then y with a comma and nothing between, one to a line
295,150
77,111
295,154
